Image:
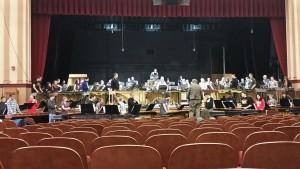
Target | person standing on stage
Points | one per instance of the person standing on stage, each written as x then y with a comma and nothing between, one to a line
12,105
209,105
234,82
35,105
164,105
154,75
85,85
194,97
36,86
273,83
115,82
51,107
252,83
131,102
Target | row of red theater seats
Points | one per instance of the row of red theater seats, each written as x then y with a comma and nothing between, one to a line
193,156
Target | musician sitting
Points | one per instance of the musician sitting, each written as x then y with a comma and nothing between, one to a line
271,101
203,84
289,98
209,84
161,82
265,82
273,83
247,102
33,108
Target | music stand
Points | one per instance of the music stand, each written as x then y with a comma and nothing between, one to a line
136,109
296,102
42,104
70,88
74,104
87,109
150,107
111,109
229,105
181,107
285,103
26,106
219,104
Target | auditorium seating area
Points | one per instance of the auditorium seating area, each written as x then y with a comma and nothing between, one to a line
154,143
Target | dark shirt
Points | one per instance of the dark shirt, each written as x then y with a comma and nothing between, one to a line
114,84
89,102
231,99
51,106
131,104
246,102
85,86
234,83
288,98
2,107
209,104
37,86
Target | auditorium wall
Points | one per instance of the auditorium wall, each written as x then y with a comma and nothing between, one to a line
15,47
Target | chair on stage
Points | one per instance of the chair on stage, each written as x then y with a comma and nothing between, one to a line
32,128
72,143
290,131
116,157
185,128
164,131
32,138
198,131
203,155
84,136
112,140
89,129
40,157
55,132
134,134
7,146
14,132
275,155
271,126
113,128
165,144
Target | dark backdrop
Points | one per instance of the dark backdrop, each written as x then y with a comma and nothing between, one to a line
80,45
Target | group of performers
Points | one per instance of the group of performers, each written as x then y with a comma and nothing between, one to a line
157,82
